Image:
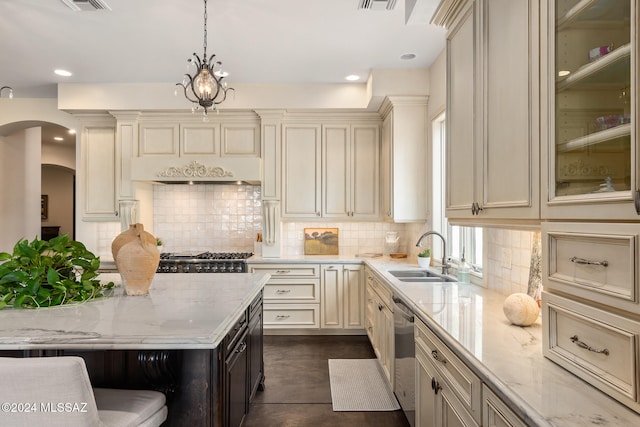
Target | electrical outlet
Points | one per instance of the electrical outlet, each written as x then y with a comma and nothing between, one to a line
300,235
506,258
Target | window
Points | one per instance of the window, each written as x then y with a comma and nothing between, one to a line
458,238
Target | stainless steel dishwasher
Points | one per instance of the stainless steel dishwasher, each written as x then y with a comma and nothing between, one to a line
405,359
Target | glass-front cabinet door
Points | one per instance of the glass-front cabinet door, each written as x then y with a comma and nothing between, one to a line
591,91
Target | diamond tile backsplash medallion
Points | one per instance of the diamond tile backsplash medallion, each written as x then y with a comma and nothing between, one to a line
207,217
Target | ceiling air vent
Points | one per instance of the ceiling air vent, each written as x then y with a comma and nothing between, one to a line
377,4
86,5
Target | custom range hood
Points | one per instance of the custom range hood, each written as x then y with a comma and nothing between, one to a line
200,170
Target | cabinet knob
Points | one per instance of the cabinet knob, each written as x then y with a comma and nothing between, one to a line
435,385
475,208
318,213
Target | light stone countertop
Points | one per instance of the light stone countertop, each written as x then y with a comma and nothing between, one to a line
181,311
470,320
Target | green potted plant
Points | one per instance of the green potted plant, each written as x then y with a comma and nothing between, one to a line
424,258
44,273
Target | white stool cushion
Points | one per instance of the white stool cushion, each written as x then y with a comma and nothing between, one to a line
124,408
47,382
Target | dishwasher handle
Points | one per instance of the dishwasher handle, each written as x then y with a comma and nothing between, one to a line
401,308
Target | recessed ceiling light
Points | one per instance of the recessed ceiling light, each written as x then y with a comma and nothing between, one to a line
352,77
58,138
563,73
221,73
63,73
72,131
408,56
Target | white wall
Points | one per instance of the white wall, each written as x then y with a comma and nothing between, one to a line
20,192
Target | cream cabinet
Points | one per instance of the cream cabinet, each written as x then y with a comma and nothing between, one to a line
403,159
591,304
99,163
291,296
301,171
327,297
590,102
342,296
379,323
455,389
227,136
495,413
350,171
331,171
492,134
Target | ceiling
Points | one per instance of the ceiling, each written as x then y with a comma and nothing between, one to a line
258,41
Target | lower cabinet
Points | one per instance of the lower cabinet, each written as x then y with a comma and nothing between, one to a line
448,392
291,296
342,296
495,413
379,324
236,386
243,371
313,296
437,403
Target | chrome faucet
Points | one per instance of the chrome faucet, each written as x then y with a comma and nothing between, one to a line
445,265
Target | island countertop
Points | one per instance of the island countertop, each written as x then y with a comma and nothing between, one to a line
181,311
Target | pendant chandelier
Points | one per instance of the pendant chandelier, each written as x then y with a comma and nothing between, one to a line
206,89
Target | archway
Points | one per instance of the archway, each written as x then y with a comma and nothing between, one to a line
24,147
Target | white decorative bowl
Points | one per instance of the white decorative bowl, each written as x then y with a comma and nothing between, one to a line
424,262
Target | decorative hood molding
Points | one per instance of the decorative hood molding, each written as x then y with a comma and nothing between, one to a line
181,170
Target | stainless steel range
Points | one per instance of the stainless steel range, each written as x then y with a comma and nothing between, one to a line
205,262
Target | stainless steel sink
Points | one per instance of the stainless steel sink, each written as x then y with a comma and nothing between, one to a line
417,275
434,279
412,273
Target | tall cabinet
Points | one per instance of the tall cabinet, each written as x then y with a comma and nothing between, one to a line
492,134
591,208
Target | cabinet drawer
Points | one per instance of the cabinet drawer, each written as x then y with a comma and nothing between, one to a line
291,316
597,262
595,345
286,290
381,289
464,383
287,270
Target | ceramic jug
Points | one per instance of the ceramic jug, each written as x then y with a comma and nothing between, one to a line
137,257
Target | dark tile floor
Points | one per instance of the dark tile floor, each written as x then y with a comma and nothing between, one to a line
297,391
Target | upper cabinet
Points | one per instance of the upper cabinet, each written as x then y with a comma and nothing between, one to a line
99,165
350,176
492,135
403,159
237,138
591,107
331,170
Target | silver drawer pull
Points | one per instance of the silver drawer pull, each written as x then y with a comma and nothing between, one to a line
283,271
574,339
283,291
588,262
439,358
282,316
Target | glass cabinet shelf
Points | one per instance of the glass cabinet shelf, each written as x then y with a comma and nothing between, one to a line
594,93
600,11
611,69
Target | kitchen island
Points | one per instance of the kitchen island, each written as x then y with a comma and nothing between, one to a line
187,338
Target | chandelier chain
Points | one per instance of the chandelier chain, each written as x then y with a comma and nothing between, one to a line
205,32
